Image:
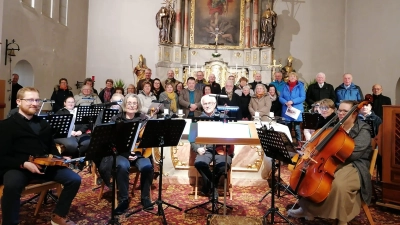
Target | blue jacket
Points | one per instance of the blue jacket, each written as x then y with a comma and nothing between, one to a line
352,93
279,85
297,96
376,121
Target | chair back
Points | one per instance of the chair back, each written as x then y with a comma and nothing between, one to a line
373,161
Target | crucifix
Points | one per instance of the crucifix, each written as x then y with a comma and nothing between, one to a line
273,66
216,33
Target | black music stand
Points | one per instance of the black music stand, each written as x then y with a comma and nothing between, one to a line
277,165
274,146
214,202
111,140
160,133
310,120
88,114
108,114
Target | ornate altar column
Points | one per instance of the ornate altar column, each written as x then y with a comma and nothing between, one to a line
255,22
247,25
177,25
186,24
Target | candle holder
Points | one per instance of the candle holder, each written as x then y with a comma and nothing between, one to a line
257,121
180,116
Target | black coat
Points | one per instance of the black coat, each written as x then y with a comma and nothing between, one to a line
59,97
14,90
276,107
101,95
244,106
215,88
315,93
236,101
379,101
19,142
254,84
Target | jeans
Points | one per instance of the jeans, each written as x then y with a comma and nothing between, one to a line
296,128
146,177
15,181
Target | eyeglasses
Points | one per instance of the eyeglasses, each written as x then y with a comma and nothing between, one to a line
131,103
38,101
342,111
323,108
208,103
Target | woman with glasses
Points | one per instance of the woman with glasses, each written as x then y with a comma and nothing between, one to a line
326,109
78,143
131,111
157,88
86,97
146,97
60,93
131,89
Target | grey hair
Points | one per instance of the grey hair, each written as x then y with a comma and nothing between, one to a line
208,97
321,73
263,86
125,102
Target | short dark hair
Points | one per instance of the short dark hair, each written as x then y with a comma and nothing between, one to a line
59,81
87,80
110,80
119,88
190,78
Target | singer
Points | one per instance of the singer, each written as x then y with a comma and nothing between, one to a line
86,97
170,97
232,99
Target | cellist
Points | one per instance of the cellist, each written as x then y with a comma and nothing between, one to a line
352,180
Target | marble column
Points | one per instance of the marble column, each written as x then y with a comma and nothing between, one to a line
255,22
247,24
178,25
186,24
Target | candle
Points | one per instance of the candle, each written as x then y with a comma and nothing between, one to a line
189,71
256,114
236,68
166,111
196,66
93,78
180,111
271,114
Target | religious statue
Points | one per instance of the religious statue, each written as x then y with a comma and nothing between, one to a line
165,19
140,68
268,25
287,69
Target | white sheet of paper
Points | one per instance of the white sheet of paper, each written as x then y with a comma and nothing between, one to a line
228,130
293,112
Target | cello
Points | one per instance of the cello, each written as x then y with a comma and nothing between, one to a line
331,146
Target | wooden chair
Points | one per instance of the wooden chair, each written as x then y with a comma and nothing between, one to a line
133,169
371,171
41,188
228,185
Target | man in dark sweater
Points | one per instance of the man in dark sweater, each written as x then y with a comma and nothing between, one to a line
23,135
319,90
379,100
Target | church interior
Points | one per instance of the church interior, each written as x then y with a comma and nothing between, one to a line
45,40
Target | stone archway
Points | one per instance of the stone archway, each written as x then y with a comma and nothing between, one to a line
25,71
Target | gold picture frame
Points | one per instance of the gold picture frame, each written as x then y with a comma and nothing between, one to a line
205,15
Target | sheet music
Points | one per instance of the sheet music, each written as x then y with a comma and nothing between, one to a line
136,137
72,125
229,130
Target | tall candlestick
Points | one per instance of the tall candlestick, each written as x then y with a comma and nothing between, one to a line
196,66
257,114
236,68
189,73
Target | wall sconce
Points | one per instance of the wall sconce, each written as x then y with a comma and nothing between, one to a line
10,50
79,84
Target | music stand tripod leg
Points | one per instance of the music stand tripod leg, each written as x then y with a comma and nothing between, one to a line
159,202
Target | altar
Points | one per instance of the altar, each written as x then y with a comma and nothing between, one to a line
247,164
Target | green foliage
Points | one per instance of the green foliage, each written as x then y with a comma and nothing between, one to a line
119,83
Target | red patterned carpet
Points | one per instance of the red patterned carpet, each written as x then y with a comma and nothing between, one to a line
87,209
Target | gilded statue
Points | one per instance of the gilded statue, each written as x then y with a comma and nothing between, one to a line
287,69
268,25
165,19
140,68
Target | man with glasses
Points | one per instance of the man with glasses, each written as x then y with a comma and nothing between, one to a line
379,100
205,153
23,135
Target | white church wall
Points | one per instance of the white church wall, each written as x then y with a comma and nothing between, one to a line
372,44
53,50
312,31
115,32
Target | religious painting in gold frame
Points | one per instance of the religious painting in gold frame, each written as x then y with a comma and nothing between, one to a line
227,15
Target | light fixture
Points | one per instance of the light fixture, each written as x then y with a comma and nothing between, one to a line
10,50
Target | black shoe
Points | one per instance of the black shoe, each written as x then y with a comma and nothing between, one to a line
122,207
205,191
146,203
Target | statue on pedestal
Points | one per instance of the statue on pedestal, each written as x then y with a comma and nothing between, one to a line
287,69
140,68
268,25
165,19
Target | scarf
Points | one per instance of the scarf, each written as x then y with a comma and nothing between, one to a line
273,98
171,97
259,95
107,94
229,95
291,85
